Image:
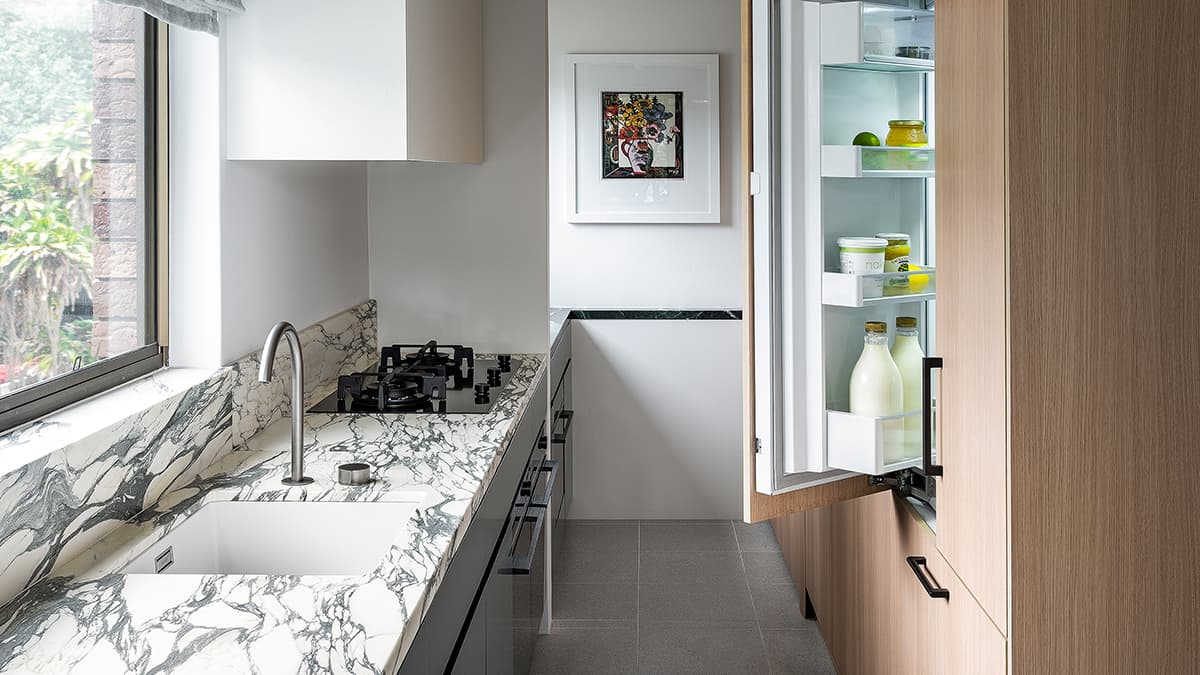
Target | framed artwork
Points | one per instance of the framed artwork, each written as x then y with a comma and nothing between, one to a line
643,136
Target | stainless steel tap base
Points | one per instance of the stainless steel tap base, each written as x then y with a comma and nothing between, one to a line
354,473
304,480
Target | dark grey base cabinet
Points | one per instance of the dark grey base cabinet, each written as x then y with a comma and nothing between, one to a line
562,417
477,622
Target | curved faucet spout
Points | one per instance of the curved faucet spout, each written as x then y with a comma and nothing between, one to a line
282,330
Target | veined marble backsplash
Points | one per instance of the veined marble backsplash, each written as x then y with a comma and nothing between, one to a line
347,342
70,479
56,506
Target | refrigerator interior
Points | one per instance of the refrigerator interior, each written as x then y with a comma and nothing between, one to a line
851,102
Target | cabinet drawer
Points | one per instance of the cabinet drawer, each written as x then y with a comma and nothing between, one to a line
966,640
874,613
951,635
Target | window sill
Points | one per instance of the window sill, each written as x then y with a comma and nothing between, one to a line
31,442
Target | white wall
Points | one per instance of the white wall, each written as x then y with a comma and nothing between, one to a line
458,252
659,402
642,266
658,422
251,243
293,246
194,249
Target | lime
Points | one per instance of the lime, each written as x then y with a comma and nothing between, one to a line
866,138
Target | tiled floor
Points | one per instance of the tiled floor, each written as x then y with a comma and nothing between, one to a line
666,597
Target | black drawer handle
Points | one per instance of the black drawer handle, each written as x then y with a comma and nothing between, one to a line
522,564
920,568
544,466
567,416
928,364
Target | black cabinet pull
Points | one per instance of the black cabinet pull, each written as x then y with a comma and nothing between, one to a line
518,564
918,564
544,466
928,364
568,416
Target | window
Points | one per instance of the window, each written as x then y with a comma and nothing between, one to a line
78,287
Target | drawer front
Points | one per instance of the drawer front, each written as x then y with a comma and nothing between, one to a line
562,416
864,563
966,639
449,612
559,356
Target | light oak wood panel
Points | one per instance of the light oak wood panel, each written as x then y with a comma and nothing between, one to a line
818,567
971,307
789,530
874,614
765,507
747,207
1104,158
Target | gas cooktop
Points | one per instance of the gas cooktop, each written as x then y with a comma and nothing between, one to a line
426,378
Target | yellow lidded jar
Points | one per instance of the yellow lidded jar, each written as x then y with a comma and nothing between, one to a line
896,259
907,134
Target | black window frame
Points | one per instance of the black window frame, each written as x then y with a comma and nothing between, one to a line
43,398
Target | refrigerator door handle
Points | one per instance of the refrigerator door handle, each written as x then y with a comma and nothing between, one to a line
928,364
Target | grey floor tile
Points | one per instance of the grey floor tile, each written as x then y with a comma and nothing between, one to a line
778,606
688,535
691,567
600,535
584,651
756,537
766,568
595,601
667,648
577,564
798,651
694,602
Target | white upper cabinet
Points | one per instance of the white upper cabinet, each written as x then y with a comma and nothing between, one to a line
355,80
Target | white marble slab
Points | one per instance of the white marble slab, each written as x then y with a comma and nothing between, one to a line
90,619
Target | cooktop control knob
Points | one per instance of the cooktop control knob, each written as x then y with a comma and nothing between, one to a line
505,361
493,377
481,393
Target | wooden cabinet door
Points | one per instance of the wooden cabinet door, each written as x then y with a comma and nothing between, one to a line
964,638
972,416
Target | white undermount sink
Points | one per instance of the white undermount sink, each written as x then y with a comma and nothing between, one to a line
281,538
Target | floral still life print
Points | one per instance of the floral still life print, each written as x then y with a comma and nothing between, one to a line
643,135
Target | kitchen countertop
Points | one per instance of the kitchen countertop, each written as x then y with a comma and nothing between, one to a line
87,618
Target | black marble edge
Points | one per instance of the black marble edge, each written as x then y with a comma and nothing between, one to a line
658,314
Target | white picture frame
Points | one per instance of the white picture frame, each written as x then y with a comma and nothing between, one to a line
693,198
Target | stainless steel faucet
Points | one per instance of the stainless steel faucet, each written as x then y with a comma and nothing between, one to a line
281,330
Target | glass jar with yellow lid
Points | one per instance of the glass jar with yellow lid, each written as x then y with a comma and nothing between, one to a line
907,134
896,259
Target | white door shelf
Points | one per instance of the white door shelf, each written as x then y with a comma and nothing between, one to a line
868,290
873,445
867,36
855,161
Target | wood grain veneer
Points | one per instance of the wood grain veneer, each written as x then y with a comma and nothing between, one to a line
972,304
1104,160
747,205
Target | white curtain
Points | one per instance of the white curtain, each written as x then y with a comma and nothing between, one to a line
193,14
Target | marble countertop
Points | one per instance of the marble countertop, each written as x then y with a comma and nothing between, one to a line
88,618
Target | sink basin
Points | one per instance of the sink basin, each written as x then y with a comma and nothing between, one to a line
284,538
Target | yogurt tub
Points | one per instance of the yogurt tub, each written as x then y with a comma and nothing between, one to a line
861,256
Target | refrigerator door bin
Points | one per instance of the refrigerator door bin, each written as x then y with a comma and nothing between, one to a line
873,445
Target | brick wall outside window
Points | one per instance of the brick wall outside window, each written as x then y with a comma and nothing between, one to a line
116,148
